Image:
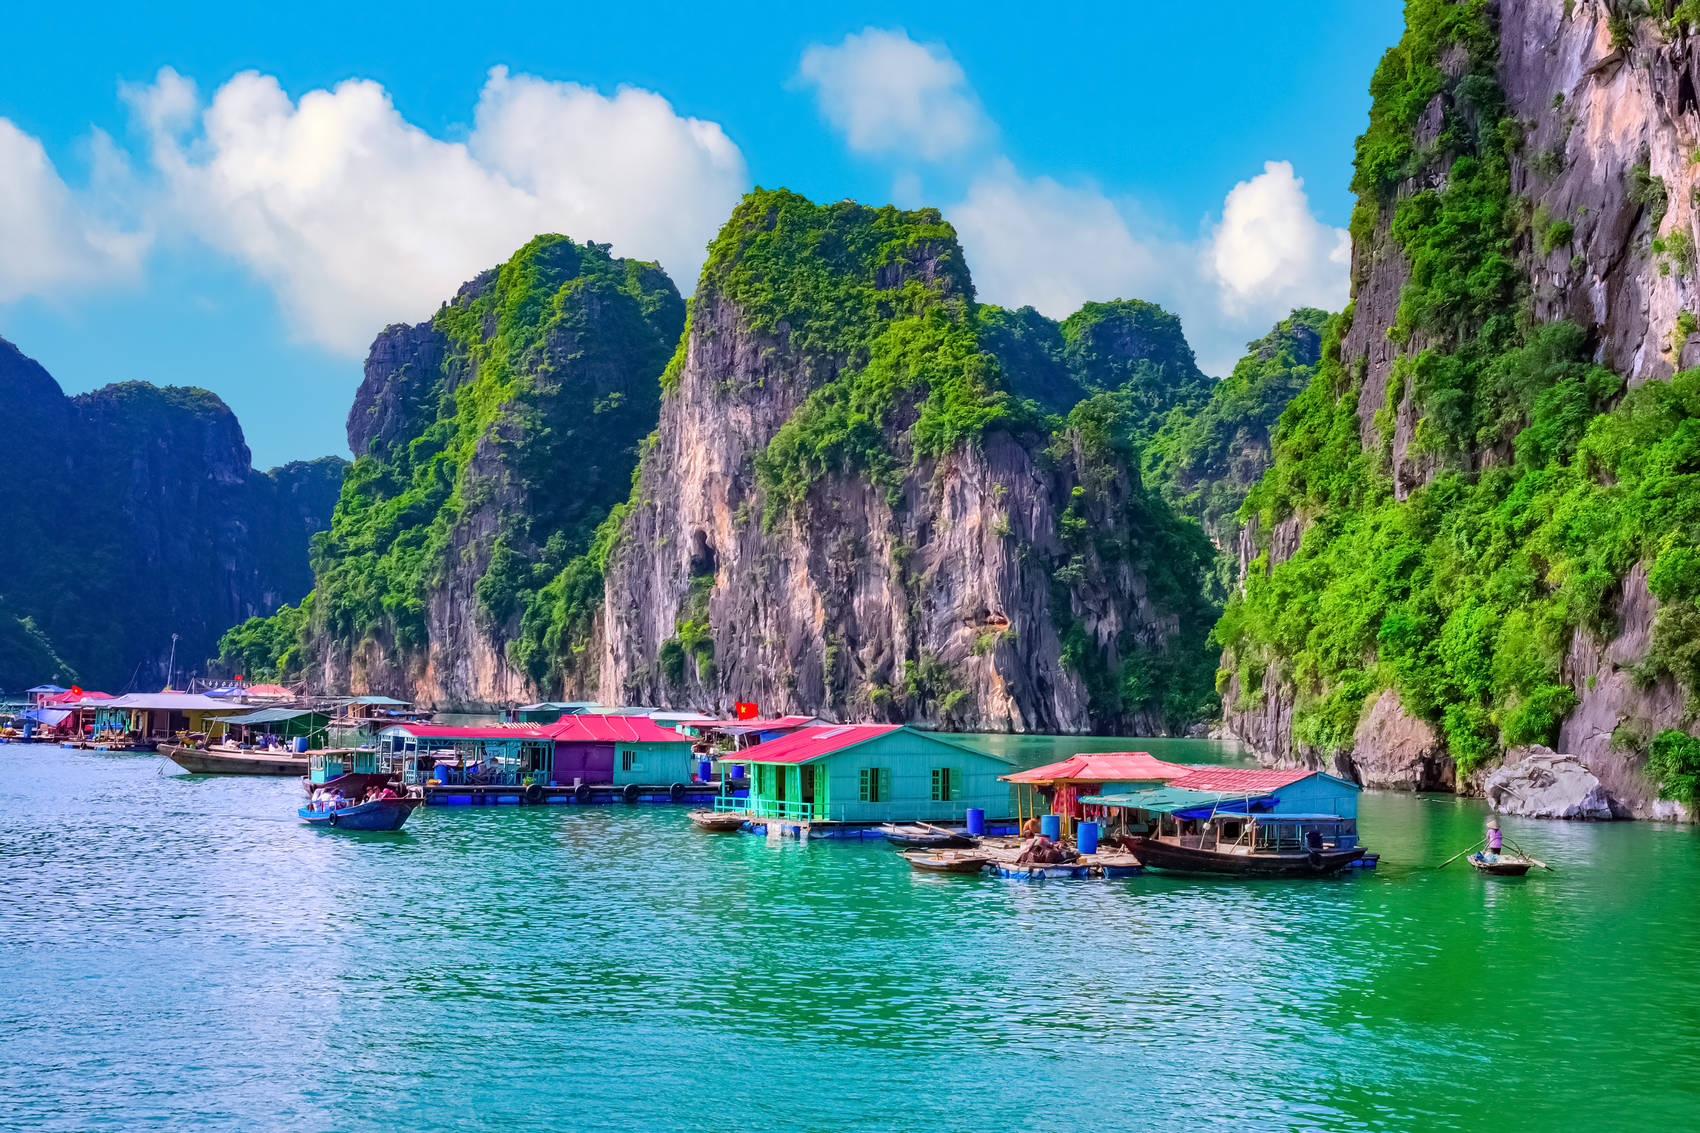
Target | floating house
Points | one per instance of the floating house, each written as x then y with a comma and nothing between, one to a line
1207,791
620,750
740,734
160,715
867,774
1073,781
548,711
466,757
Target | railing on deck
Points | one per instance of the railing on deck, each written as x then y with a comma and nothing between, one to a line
770,808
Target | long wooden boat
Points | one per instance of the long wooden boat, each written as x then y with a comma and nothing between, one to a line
717,821
378,814
1175,857
945,861
224,761
922,837
1504,865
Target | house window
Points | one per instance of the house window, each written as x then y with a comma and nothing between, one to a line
874,784
947,784
628,760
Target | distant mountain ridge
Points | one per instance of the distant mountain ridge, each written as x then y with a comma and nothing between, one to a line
135,513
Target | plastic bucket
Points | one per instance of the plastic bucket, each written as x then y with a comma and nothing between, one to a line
737,771
1086,837
976,821
301,745
1050,825
704,769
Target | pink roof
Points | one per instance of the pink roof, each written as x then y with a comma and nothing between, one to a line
612,729
267,690
477,731
1104,767
754,725
75,697
1237,779
811,743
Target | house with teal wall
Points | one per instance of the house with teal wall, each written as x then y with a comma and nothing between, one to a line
871,773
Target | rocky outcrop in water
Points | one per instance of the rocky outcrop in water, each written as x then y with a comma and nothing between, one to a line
136,514
1538,782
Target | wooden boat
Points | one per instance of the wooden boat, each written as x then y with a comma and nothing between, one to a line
1503,865
230,761
921,836
717,821
1176,856
378,814
945,861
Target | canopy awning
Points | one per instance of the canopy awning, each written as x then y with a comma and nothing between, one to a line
270,716
52,717
1277,818
1175,800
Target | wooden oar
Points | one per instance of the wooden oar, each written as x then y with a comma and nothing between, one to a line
1461,853
1526,857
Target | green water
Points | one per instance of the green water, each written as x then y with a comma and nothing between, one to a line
181,953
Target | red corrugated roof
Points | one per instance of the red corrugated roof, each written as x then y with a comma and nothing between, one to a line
1235,779
612,729
1104,767
811,743
477,731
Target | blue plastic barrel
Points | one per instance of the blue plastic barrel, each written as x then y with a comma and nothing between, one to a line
704,769
1050,825
976,821
301,744
737,771
1086,837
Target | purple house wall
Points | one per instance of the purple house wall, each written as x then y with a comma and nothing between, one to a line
591,762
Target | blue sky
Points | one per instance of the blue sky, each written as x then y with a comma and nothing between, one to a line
181,233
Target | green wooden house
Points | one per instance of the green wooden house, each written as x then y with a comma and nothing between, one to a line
871,773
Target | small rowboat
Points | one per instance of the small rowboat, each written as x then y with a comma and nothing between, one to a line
945,861
717,821
1502,865
925,837
378,814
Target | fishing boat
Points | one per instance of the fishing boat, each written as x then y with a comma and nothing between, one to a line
1501,865
717,821
222,760
945,861
1253,845
375,814
922,836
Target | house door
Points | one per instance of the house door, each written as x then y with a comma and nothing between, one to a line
780,774
807,789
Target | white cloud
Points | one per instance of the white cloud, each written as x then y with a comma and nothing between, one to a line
53,239
1053,246
1270,252
357,218
890,95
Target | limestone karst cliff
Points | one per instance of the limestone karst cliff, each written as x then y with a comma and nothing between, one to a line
1481,531
489,444
855,505
134,513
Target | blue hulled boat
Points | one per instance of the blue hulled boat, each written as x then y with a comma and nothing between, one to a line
377,814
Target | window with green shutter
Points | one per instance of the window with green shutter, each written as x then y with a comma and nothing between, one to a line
873,784
947,784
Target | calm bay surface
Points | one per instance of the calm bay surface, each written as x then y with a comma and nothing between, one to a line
182,953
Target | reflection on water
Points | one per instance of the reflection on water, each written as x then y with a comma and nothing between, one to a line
182,953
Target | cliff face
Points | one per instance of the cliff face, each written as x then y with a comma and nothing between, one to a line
138,515
490,442
850,509
1206,458
1479,531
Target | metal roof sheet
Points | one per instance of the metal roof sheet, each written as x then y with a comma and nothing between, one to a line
1170,799
1257,779
592,728
1103,767
272,716
807,744
475,731
173,701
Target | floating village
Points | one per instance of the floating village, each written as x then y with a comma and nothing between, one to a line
366,763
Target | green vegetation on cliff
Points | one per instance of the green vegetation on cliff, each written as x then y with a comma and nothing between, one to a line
507,453
26,656
1205,461
1541,485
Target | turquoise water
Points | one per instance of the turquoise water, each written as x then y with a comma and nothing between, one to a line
181,953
